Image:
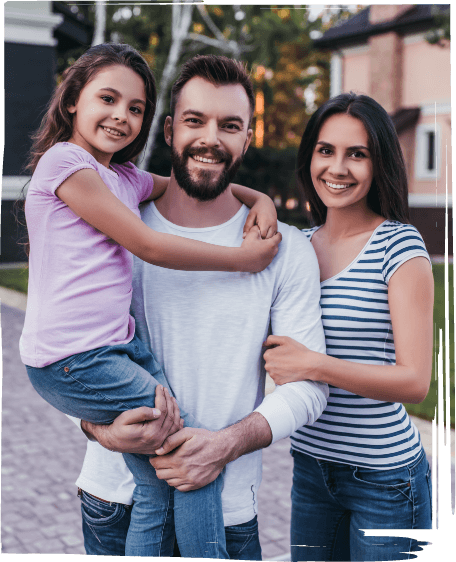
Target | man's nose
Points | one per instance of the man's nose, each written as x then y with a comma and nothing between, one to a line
210,135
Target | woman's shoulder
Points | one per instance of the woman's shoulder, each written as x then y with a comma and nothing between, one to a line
309,231
394,231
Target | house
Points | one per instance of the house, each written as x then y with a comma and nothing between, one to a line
382,51
35,33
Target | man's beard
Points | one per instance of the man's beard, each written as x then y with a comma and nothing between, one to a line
209,184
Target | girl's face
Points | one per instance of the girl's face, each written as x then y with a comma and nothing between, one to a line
109,112
341,166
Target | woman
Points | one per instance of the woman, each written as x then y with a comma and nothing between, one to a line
361,465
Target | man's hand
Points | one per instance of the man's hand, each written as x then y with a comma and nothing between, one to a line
141,430
198,455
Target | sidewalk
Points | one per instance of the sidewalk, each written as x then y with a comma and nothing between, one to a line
42,453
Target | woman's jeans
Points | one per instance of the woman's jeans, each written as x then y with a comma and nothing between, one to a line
97,386
331,502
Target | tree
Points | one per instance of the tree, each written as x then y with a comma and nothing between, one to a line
100,23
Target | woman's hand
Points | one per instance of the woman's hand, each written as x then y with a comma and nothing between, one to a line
288,360
264,215
257,254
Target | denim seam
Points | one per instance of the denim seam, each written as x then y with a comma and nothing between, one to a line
96,392
164,525
336,531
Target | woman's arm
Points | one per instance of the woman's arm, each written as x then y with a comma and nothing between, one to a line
411,298
262,210
86,194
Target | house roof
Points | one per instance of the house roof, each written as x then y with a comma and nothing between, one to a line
357,29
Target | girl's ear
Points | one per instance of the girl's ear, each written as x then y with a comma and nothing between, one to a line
71,108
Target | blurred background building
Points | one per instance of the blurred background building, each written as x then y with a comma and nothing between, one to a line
383,52
299,56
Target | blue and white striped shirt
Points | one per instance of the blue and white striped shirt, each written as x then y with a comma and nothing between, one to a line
356,319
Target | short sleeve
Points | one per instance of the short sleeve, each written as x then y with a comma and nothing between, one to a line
404,244
142,180
59,163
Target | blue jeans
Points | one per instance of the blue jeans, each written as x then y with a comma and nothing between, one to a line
331,502
98,385
105,526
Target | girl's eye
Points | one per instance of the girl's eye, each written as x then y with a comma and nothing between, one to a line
107,99
136,110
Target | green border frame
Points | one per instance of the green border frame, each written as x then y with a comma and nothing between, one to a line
442,539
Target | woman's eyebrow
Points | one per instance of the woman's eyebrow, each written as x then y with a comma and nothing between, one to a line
114,91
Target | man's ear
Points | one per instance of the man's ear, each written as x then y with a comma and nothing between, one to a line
248,140
168,129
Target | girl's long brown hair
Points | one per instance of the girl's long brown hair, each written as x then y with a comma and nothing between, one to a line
57,125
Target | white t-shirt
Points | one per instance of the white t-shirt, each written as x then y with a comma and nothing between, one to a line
207,330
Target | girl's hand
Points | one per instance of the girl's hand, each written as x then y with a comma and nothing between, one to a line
258,253
264,215
288,360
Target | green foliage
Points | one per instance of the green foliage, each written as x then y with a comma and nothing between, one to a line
15,278
440,33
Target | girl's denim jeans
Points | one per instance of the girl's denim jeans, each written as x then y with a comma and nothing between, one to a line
331,502
97,386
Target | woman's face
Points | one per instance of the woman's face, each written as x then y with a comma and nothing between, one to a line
341,166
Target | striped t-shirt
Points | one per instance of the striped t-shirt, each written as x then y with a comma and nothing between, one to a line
356,319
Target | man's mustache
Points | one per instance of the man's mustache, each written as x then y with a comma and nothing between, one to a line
214,153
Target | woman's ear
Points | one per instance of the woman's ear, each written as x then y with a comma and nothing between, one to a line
168,130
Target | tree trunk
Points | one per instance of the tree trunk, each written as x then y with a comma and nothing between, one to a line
181,20
100,23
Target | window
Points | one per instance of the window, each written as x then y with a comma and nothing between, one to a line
427,154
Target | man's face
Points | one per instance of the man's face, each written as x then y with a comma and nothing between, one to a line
208,136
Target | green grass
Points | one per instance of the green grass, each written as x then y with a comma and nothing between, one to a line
18,279
15,278
426,409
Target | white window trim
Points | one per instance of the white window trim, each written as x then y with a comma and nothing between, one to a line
335,80
421,171
31,28
428,200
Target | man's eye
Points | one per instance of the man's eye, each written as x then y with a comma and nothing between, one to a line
192,120
232,127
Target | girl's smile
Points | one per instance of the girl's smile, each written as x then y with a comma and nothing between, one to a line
109,112
341,166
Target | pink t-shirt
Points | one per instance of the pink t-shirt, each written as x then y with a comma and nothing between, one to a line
79,279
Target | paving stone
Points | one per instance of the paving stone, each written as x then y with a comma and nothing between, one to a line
71,540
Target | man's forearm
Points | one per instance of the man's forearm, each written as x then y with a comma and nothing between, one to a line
248,435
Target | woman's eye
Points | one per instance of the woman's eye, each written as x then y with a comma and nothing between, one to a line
107,99
324,151
359,154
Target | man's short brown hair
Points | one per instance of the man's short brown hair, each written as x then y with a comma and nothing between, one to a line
217,70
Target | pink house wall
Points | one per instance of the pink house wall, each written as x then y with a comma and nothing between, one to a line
425,74
356,72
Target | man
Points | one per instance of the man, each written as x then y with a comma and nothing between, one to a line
207,328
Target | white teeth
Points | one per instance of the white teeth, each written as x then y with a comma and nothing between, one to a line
113,132
337,185
207,160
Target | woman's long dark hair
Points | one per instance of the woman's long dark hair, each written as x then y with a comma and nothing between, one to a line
388,195
57,125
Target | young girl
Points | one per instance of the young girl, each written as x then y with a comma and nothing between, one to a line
82,215
361,465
